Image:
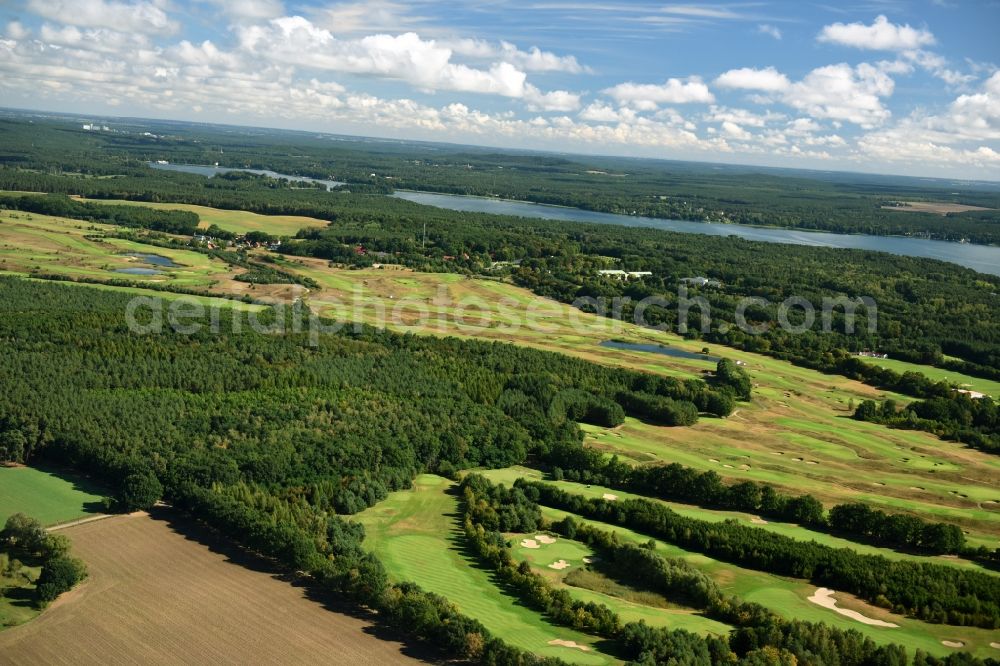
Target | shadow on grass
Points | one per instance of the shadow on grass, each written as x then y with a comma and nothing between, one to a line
203,535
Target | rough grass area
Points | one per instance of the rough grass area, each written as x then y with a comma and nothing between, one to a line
416,535
46,496
159,594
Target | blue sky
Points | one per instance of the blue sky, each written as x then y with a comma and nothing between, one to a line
883,85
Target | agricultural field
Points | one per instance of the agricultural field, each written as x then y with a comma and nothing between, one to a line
416,535
46,496
159,591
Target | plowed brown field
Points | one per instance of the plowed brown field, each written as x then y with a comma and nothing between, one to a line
160,595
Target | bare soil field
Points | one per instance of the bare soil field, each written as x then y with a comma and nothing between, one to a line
160,591
939,208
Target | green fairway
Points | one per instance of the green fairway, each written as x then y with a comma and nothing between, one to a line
987,386
44,495
508,475
416,535
789,598
568,556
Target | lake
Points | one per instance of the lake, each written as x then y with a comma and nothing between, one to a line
207,170
982,258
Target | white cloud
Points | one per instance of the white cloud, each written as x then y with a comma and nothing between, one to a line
880,35
142,17
734,131
16,31
770,30
250,10
367,17
957,135
556,100
842,92
532,60
422,63
938,66
741,117
603,113
646,96
748,78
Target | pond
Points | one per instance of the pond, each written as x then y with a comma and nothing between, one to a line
138,270
659,349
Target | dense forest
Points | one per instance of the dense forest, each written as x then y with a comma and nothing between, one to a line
843,203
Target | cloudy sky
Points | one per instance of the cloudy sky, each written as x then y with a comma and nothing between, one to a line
878,85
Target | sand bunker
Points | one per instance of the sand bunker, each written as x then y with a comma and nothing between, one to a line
915,488
544,538
777,453
757,521
590,559
570,644
824,597
995,646
713,460
796,459
728,466
744,467
954,644
811,462
609,497
559,565
529,543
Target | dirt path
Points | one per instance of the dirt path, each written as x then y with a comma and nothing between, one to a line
163,592
81,521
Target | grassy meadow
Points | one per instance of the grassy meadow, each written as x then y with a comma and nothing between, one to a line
49,497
